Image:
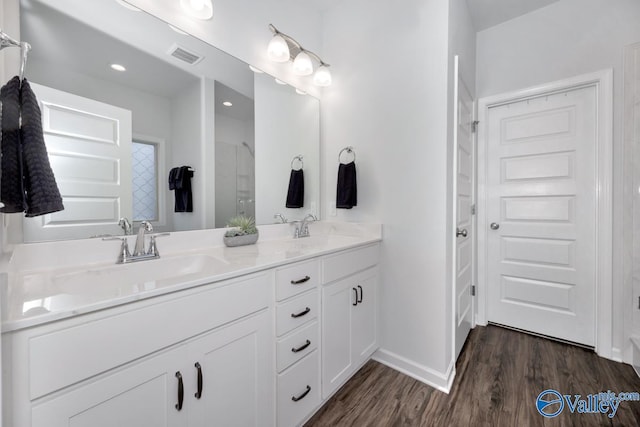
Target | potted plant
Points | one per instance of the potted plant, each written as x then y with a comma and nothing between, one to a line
243,231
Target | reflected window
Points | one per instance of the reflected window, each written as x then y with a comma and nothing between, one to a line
145,181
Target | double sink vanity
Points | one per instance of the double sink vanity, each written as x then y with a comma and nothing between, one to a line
256,335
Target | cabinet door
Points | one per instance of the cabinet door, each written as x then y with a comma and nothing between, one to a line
236,364
337,305
143,395
364,318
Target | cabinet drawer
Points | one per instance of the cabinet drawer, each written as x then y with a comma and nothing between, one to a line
343,264
297,345
293,404
297,311
296,279
66,356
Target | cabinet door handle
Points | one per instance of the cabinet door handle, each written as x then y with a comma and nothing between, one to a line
361,294
356,301
199,392
300,281
302,396
302,313
180,391
302,347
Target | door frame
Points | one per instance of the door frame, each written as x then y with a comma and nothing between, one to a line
602,81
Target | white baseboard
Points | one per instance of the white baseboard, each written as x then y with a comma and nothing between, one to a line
424,374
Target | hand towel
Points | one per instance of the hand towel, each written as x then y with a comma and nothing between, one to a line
27,183
11,189
42,194
180,182
295,194
347,191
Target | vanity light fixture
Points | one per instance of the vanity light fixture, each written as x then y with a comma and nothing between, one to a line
118,67
200,9
284,48
227,103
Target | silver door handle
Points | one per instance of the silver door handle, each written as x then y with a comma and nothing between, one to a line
494,225
462,232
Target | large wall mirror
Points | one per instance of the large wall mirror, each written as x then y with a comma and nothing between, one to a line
126,99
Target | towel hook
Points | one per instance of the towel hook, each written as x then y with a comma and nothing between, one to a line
298,158
349,149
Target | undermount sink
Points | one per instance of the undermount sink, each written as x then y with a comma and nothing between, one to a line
140,272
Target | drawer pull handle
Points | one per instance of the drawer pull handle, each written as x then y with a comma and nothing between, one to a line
180,391
302,396
361,294
199,392
302,347
302,313
356,301
301,281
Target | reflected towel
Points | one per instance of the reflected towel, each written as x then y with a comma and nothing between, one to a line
347,191
180,182
11,190
295,194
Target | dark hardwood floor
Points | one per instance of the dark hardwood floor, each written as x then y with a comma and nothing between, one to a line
499,376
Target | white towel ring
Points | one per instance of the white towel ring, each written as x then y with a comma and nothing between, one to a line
298,158
349,150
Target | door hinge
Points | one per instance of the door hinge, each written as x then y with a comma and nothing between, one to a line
473,290
638,303
474,126
473,209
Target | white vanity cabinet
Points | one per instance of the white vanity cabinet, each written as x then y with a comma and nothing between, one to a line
349,315
197,358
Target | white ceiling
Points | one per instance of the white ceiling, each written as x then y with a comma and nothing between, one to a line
487,13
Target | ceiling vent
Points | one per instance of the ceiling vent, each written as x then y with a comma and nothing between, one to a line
185,55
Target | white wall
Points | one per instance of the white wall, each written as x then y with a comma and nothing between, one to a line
187,131
565,39
389,100
286,125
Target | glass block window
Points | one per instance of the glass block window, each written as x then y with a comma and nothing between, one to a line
145,182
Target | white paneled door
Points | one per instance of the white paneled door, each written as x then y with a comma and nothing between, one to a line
464,184
541,214
89,146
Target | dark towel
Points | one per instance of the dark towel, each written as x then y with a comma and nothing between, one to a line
295,194
28,183
42,194
180,182
347,192
11,189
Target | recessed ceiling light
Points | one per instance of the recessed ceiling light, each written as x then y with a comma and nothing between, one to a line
255,70
300,92
127,5
227,104
118,67
280,82
178,30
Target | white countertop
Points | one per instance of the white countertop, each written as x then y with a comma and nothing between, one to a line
45,282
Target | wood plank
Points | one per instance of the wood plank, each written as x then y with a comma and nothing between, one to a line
500,373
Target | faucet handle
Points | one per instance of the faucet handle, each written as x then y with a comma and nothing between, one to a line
124,253
153,248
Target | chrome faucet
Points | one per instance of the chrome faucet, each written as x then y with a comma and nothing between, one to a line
139,252
302,227
283,219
